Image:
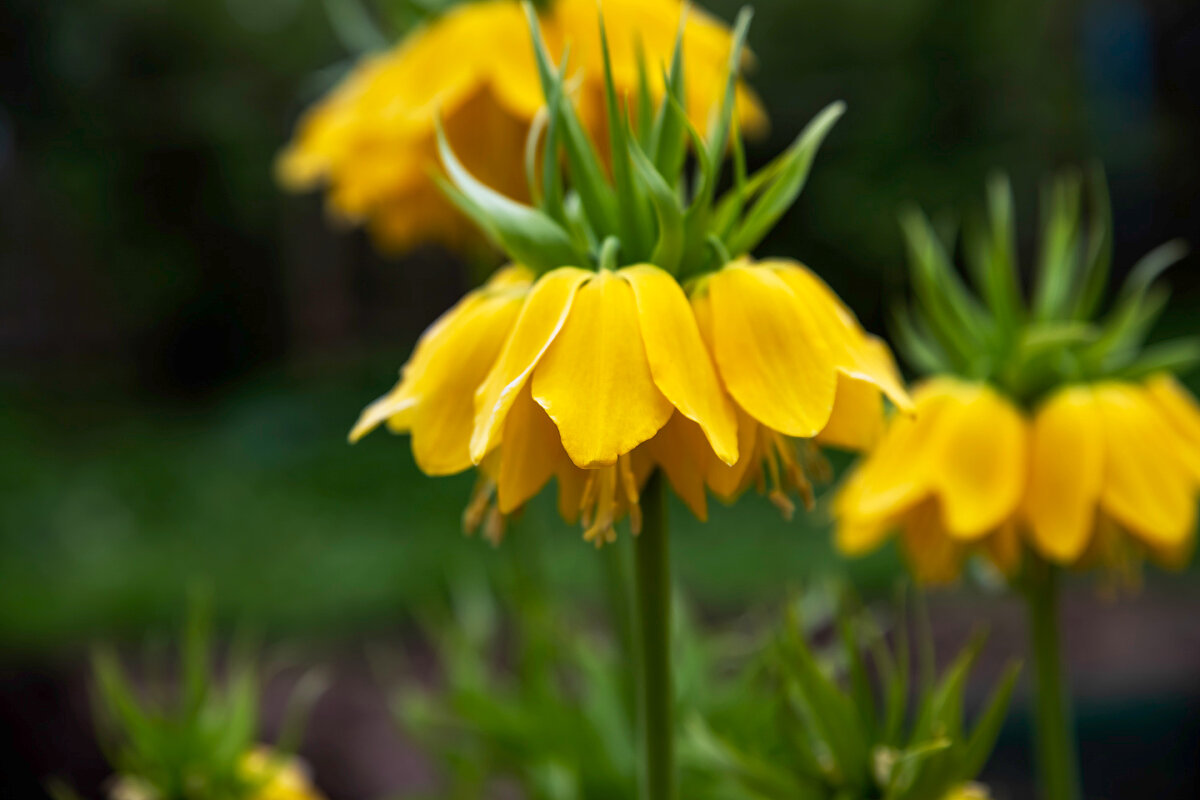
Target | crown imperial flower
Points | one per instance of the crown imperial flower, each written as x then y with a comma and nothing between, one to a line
371,141
1057,432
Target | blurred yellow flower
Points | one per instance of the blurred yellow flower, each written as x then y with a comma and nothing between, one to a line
371,141
1111,459
798,366
969,791
277,778
1100,474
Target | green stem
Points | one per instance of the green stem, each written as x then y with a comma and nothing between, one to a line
652,598
1053,726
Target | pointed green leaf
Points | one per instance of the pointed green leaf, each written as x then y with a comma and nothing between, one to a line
1100,246
668,138
587,175
1058,265
669,249
631,203
983,736
526,234
1176,357
781,193
953,316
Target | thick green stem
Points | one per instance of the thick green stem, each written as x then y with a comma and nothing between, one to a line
1054,734
655,696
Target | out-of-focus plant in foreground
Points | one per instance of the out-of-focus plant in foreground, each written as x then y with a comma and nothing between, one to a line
192,737
853,722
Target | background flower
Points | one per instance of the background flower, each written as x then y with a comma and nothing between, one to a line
371,141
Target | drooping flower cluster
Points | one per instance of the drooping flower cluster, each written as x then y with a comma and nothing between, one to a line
1055,433
371,142
693,359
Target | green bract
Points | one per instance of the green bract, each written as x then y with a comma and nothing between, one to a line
636,206
855,737
191,746
1028,344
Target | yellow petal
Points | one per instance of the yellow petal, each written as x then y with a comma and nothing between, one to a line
857,421
1004,548
727,481
1147,486
855,535
397,407
679,361
1066,470
857,354
1182,413
680,450
980,474
545,310
445,413
530,456
770,352
898,474
594,380
934,557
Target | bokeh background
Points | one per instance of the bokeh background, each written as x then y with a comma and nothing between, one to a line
183,348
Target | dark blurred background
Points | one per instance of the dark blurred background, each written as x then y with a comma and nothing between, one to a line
183,347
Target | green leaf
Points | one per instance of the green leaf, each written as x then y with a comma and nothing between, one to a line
669,249
587,175
718,137
526,234
758,775
1100,247
537,128
912,338
1137,308
983,736
1176,357
861,694
631,203
953,315
1060,253
668,138
645,101
830,712
996,261
781,193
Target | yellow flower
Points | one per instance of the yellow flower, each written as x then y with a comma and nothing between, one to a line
371,141
798,365
609,358
277,778
1099,474
951,477
1109,458
563,378
968,791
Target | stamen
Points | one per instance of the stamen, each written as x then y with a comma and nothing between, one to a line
588,500
600,531
815,462
602,495
776,495
493,528
792,471
478,505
